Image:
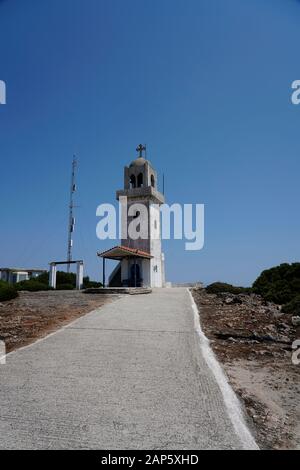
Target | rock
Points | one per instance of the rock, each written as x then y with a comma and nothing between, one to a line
272,328
233,340
283,326
233,300
296,321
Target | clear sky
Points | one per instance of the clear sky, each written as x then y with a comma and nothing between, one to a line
205,83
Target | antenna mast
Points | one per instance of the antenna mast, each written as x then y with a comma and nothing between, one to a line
71,216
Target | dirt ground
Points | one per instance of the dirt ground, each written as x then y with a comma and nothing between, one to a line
35,314
252,339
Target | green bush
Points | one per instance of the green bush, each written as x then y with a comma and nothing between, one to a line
220,287
280,284
65,287
32,285
62,278
7,291
293,306
87,283
43,278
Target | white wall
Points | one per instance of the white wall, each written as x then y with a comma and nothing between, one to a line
155,247
146,272
10,276
152,270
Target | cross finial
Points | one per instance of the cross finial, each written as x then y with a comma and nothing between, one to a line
141,148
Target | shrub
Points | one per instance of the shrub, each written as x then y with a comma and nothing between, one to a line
218,287
43,278
7,291
65,287
32,285
87,283
62,278
293,306
67,281
279,284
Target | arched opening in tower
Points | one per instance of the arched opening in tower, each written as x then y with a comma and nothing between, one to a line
140,180
132,181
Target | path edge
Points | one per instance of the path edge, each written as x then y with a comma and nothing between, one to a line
232,403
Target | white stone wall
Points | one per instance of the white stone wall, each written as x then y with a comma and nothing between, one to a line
155,246
140,244
146,273
152,271
163,272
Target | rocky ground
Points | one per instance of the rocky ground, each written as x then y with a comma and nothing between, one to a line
35,314
253,340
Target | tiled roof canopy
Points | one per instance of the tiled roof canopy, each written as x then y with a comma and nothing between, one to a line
120,252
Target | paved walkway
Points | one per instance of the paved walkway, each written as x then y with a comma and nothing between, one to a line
127,376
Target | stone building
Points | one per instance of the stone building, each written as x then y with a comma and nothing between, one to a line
141,261
14,275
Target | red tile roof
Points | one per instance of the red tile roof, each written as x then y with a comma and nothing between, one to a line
119,252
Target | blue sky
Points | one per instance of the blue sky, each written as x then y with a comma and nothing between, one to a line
206,84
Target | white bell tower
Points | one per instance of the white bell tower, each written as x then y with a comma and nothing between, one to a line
140,187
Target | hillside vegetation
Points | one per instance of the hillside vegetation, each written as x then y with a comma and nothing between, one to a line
280,284
64,281
7,291
219,287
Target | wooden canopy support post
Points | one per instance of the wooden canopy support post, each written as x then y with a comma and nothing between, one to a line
134,260
103,272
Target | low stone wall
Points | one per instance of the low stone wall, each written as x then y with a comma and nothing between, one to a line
187,284
118,290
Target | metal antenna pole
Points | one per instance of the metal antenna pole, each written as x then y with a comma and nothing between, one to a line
71,217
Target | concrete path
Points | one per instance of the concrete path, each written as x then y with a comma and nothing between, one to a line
127,376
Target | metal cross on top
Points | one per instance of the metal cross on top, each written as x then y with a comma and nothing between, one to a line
141,148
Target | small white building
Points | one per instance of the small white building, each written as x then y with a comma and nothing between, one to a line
14,275
141,261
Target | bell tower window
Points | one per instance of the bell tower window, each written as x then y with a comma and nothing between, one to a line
140,180
152,181
132,181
